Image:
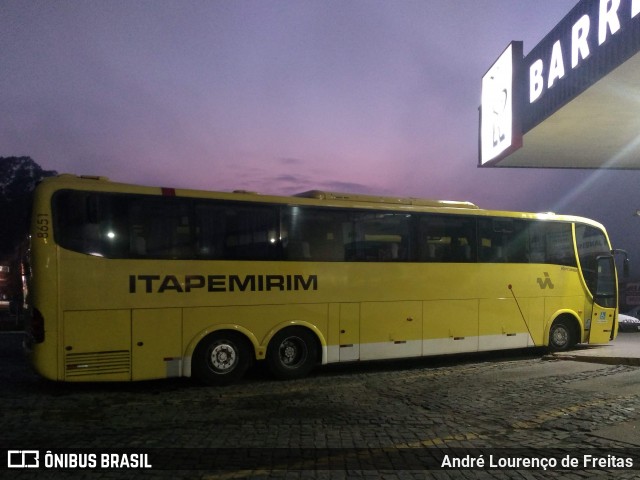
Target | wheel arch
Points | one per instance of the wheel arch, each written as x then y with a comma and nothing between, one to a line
202,334
317,334
572,318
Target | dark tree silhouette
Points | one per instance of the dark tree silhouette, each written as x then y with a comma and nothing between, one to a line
18,178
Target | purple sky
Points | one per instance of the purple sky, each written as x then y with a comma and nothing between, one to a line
282,96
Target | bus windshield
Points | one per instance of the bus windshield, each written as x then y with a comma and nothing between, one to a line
592,244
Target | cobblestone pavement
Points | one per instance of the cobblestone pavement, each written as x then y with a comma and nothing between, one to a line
380,420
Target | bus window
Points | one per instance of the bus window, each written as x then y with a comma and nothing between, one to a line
503,240
123,226
443,238
159,227
232,231
315,234
82,223
380,237
524,241
71,227
210,221
551,243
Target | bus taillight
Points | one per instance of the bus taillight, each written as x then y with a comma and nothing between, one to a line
37,326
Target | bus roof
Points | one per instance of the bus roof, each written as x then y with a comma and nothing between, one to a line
311,197
353,197
69,179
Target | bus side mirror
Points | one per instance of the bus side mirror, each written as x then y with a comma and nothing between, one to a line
625,268
625,261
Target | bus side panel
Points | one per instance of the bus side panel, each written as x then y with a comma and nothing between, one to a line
450,326
156,343
502,325
390,330
97,345
349,332
343,335
535,320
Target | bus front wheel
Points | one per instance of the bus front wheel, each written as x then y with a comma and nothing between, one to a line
221,358
560,336
292,353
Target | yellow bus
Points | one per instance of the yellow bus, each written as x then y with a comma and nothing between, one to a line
133,283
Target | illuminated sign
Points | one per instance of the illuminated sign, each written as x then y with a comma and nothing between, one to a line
499,127
601,20
519,93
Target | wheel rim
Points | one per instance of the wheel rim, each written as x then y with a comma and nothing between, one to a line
292,352
560,337
223,357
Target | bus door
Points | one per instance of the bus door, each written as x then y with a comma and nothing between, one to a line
605,301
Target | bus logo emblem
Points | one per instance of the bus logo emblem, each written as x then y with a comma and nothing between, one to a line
546,282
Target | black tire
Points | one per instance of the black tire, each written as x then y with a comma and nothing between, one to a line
292,353
561,336
221,358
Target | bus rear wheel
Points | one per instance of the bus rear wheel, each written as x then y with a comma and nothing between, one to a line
221,358
560,336
292,353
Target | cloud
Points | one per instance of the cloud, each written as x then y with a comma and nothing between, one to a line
290,161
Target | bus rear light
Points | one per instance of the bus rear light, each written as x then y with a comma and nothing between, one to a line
37,326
